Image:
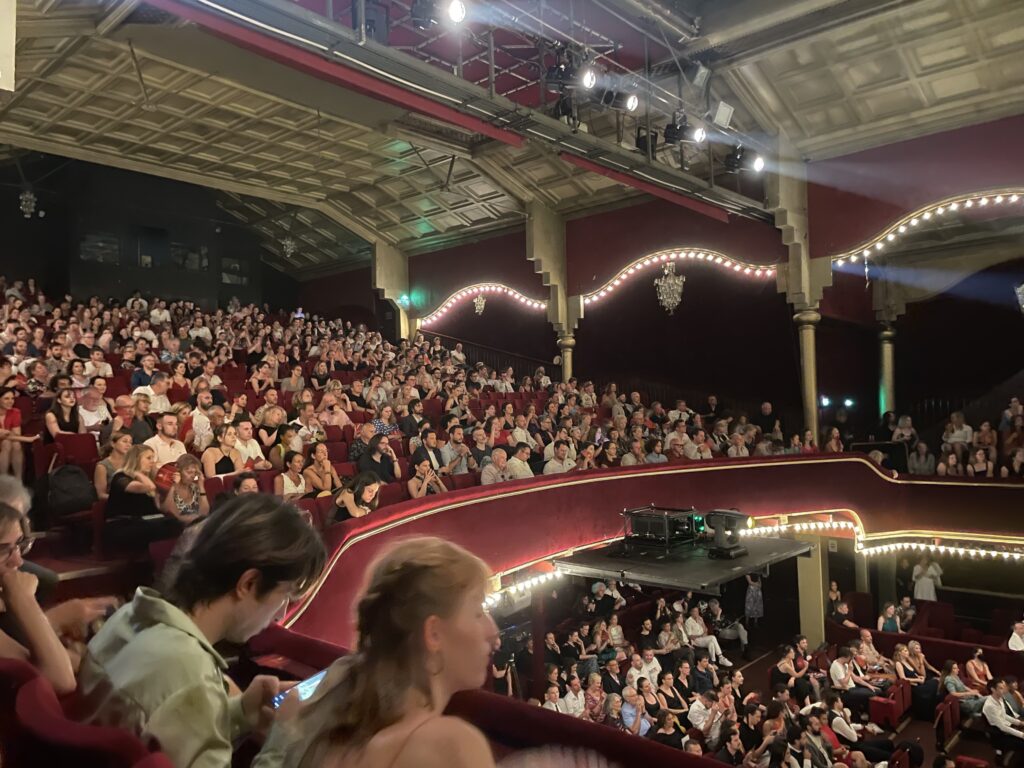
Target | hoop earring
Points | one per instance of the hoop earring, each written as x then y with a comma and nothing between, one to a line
440,664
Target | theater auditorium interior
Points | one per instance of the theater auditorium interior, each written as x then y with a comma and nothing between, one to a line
571,382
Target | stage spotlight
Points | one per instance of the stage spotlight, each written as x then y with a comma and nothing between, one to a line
825,401
622,100
424,13
681,130
456,11
643,139
588,78
726,523
738,160
559,77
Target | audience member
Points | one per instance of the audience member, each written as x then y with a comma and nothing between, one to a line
152,668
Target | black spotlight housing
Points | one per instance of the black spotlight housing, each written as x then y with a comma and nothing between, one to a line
739,159
423,13
645,140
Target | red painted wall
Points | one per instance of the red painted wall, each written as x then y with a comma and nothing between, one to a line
347,295
852,198
599,246
730,336
433,277
964,342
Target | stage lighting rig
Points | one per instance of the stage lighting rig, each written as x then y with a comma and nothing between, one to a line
726,523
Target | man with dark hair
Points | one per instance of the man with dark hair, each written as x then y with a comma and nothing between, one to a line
428,450
152,668
519,463
410,425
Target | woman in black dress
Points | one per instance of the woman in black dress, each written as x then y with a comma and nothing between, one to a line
682,682
646,690
668,697
667,730
784,673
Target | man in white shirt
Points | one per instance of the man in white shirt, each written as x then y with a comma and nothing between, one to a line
522,435
573,703
560,462
706,716
307,424
1017,637
854,692
157,391
497,471
635,456
636,669
248,446
651,667
1009,735
202,431
551,698
159,314
97,365
698,633
518,465
165,443
210,376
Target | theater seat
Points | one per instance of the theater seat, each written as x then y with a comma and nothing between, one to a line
337,451
79,450
392,493
345,468
888,710
333,434
467,480
13,675
53,740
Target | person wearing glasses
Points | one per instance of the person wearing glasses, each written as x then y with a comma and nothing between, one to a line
39,644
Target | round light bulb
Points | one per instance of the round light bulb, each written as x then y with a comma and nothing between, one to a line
758,164
632,102
589,79
457,11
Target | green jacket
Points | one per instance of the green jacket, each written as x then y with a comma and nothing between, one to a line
151,671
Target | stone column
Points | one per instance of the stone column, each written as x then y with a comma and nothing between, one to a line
887,368
861,574
566,344
812,575
806,321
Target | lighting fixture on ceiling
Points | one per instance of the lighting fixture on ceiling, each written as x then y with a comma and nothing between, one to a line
27,203
681,131
424,13
645,140
564,76
456,11
623,100
289,247
588,77
739,159
697,74
723,115
669,288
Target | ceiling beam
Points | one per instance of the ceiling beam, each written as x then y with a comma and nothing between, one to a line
121,11
56,27
153,169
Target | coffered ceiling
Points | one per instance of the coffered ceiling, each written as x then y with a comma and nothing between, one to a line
913,68
123,84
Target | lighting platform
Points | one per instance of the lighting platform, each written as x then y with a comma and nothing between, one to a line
684,568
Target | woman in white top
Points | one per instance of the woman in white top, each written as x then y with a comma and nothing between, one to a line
290,484
927,576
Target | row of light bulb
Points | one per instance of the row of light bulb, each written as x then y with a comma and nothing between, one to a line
521,587
772,530
916,219
710,257
941,549
475,290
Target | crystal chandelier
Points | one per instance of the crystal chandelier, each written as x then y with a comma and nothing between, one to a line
27,202
289,247
479,303
670,288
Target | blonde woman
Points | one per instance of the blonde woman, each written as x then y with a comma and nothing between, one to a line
422,636
115,452
132,504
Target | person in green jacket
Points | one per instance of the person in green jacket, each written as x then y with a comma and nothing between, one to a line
152,668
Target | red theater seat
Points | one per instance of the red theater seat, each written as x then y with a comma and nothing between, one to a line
392,493
333,434
80,450
467,480
13,675
359,417
890,709
56,741
345,468
214,487
337,452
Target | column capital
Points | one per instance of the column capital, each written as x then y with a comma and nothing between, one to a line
566,341
807,317
887,334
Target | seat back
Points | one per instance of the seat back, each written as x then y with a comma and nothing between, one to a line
13,675
55,740
80,450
